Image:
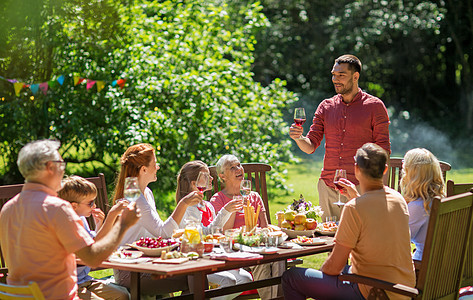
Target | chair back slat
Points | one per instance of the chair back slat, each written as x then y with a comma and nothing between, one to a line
256,172
455,189
445,247
392,178
101,200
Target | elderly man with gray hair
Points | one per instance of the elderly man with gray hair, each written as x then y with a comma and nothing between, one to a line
41,234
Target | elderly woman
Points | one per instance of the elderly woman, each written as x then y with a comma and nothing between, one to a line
231,173
421,181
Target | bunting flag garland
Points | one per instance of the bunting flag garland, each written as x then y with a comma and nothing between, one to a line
52,84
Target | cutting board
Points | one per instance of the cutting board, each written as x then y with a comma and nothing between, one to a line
171,260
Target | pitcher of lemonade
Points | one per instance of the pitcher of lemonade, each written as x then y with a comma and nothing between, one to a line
192,238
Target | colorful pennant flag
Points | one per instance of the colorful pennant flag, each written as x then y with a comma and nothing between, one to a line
90,83
34,88
18,86
43,87
100,85
60,79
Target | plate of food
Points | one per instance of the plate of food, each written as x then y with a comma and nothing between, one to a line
154,246
327,228
129,257
306,241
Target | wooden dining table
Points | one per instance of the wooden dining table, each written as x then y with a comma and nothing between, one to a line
199,269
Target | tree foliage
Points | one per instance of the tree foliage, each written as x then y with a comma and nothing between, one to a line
416,54
189,90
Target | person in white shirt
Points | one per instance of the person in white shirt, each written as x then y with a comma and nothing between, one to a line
140,161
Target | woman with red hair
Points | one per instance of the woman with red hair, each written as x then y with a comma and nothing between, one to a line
140,161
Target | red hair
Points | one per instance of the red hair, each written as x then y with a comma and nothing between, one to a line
132,160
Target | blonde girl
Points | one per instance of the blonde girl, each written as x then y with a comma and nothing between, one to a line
421,181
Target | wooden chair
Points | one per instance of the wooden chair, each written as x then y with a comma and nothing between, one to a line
392,178
256,172
444,254
455,189
30,291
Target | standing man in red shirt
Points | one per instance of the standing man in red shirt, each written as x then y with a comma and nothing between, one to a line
348,120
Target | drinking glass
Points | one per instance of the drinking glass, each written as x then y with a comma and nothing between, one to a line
202,184
299,116
338,175
131,190
245,188
239,198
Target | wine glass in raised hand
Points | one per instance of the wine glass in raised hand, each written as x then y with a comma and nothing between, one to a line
131,190
338,175
245,189
299,116
202,184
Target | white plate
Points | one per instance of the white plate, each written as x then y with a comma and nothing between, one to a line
329,233
314,242
294,233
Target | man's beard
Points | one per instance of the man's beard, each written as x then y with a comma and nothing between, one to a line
346,89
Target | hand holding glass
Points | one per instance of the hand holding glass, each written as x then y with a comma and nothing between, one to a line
131,190
338,175
202,184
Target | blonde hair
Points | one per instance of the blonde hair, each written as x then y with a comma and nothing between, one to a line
76,189
187,174
421,177
132,160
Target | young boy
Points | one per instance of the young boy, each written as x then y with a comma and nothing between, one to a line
82,193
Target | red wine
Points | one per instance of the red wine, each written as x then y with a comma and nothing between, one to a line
201,188
339,187
299,122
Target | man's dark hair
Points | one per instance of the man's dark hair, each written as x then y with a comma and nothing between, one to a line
354,64
371,159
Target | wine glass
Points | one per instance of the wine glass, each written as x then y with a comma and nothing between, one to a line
245,188
131,190
338,175
202,184
299,116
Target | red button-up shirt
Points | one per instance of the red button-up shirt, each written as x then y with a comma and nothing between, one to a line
347,127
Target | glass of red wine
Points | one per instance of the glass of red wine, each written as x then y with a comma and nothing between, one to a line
338,175
202,184
299,116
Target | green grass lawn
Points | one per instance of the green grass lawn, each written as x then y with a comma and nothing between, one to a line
302,179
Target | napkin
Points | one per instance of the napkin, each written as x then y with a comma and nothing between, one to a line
235,256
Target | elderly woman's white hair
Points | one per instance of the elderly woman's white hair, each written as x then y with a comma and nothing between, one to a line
33,156
223,161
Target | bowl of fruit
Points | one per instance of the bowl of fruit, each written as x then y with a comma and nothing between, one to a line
299,219
154,246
